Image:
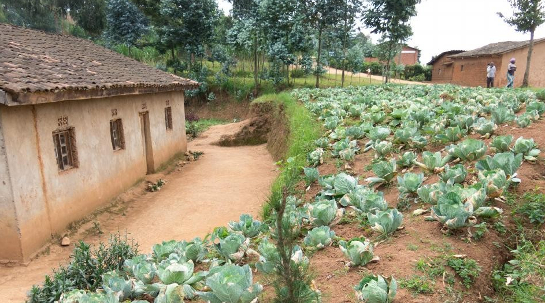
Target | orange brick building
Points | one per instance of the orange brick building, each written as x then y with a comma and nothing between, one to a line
469,68
408,56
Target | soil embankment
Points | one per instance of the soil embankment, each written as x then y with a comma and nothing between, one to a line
224,183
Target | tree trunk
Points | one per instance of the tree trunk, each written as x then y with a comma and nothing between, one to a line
318,58
255,66
529,59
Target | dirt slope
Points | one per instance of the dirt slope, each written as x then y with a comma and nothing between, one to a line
224,183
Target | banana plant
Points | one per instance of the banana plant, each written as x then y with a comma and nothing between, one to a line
501,143
468,150
384,171
359,253
527,147
385,222
455,174
376,289
319,237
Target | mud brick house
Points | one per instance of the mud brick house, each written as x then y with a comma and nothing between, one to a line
79,124
469,68
407,56
443,66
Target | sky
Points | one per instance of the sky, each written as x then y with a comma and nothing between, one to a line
443,25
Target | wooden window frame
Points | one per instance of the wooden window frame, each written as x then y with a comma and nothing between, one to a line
168,118
66,153
117,136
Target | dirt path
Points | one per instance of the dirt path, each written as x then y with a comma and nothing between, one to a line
331,70
224,183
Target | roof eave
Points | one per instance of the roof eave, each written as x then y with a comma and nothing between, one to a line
28,98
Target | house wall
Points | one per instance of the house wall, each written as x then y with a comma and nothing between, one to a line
440,72
537,68
408,56
472,71
9,239
47,200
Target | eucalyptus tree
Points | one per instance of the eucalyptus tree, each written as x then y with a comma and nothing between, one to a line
390,18
349,11
527,16
126,24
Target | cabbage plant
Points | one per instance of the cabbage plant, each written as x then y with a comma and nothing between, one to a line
231,284
359,253
451,211
338,185
141,268
455,174
537,106
502,114
433,162
194,250
523,121
385,222
233,247
268,257
315,157
249,227
364,199
468,150
311,174
382,148
319,237
407,159
379,133
404,135
355,132
495,181
484,126
375,289
409,183
81,296
450,134
384,171
527,147
323,212
501,143
508,162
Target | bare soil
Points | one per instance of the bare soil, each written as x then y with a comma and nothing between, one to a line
198,196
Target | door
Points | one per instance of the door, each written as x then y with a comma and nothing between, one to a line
146,141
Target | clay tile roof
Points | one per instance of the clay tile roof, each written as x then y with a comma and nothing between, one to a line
62,67
447,53
497,48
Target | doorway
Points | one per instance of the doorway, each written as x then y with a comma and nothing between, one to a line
146,141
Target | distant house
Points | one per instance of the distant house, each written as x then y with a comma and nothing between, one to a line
469,68
407,56
443,67
79,124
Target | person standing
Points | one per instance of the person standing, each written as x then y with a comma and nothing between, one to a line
511,68
490,75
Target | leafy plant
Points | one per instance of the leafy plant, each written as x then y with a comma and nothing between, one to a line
365,200
376,289
467,269
249,227
319,237
359,253
527,147
451,134
407,159
410,182
468,150
451,211
379,133
230,284
315,158
433,162
523,121
501,143
233,247
502,114
385,172
311,175
385,222
323,212
536,106
508,162
382,148
484,127
456,174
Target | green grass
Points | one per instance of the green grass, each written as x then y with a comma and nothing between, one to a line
417,285
194,128
303,131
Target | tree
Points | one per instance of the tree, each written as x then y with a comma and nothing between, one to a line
125,23
90,15
349,11
390,18
527,16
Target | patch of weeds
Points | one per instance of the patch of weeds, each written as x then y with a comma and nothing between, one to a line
479,231
533,207
153,187
467,269
417,285
412,247
342,271
500,227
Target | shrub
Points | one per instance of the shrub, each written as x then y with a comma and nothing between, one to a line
297,73
85,269
541,95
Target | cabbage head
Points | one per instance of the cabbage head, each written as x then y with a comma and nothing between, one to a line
484,127
268,258
385,172
385,222
249,227
527,147
141,268
451,211
376,290
468,150
410,182
319,237
502,114
81,296
231,284
359,253
456,174
495,182
323,212
432,161
508,162
501,143
407,159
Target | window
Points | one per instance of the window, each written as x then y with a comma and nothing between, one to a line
116,134
168,117
65,148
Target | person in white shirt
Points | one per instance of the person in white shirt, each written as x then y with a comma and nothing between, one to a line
490,75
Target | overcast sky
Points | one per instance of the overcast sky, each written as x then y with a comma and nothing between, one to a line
443,25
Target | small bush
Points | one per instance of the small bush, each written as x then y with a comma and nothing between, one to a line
85,269
533,207
467,269
297,73
541,95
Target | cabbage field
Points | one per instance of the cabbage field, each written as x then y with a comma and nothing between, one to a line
410,195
